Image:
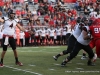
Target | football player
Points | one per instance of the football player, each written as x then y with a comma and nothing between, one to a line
9,24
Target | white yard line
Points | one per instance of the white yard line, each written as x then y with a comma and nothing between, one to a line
79,68
26,71
39,47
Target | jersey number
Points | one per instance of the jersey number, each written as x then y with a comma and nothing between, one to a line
97,30
11,25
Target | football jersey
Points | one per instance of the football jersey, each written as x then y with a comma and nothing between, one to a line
47,31
68,29
81,40
52,32
43,32
37,32
93,14
58,31
22,35
9,26
76,31
95,31
64,31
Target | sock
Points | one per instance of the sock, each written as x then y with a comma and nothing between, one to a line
84,54
2,60
58,55
65,61
16,58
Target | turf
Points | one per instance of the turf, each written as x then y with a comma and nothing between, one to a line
39,61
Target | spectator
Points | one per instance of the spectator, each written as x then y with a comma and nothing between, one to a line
17,2
27,7
14,2
27,37
46,8
86,10
22,35
30,2
34,12
23,13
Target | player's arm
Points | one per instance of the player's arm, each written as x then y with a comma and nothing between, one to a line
2,20
23,29
86,36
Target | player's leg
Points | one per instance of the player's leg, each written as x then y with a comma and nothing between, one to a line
92,45
89,50
64,39
13,46
3,52
84,55
75,51
67,37
70,47
97,43
52,40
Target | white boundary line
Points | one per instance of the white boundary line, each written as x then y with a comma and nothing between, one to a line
23,70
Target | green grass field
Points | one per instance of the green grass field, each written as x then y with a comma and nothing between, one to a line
39,61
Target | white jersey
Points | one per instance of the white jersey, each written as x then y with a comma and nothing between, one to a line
37,32
68,29
59,31
81,40
47,31
22,35
43,34
77,31
9,26
52,32
64,31
93,14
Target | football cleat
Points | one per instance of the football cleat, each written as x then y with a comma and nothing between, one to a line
19,63
83,57
95,57
63,63
55,58
1,65
89,63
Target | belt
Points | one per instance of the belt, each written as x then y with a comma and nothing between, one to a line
11,36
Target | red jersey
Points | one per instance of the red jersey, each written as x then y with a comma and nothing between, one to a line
95,31
27,35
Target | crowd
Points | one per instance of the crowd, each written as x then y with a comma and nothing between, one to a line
57,21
